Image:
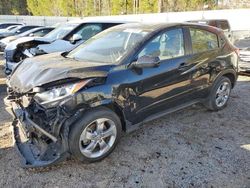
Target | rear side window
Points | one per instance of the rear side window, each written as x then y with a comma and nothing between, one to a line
203,40
42,32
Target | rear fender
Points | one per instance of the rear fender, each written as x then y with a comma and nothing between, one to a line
230,73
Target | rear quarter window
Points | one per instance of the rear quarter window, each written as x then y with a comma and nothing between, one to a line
203,40
224,25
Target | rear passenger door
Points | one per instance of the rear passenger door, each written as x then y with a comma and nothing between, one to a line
205,48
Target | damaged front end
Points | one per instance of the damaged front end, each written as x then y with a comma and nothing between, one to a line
41,129
35,132
46,98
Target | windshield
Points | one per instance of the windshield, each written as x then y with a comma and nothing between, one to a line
109,46
60,31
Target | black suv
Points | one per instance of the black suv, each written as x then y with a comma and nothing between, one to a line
79,103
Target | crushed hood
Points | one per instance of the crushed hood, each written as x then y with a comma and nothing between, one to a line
40,70
9,39
56,46
21,40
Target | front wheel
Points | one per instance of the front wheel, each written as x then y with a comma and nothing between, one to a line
219,94
95,136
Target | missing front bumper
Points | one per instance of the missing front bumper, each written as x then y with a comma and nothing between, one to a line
36,147
29,153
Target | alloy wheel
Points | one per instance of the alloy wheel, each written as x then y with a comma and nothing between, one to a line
97,138
222,94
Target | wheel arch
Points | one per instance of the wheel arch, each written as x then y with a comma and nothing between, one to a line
230,74
115,107
231,77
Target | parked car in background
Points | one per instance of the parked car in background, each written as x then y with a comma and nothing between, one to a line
244,54
8,29
79,102
36,32
64,38
17,30
6,25
219,23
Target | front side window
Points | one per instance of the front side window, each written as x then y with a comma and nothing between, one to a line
203,40
165,46
24,29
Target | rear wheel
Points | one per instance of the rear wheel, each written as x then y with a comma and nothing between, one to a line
219,94
95,136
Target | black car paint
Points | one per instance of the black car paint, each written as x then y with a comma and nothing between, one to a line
137,95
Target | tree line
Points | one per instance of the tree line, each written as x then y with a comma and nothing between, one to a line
99,7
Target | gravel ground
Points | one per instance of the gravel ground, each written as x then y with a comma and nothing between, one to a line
189,148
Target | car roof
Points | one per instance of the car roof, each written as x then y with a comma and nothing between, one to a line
207,20
98,20
160,26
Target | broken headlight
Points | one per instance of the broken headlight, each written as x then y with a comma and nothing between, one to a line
53,96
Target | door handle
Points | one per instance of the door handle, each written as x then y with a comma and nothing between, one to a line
183,66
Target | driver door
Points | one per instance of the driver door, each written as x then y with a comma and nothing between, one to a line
169,84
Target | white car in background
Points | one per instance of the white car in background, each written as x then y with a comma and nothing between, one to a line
64,38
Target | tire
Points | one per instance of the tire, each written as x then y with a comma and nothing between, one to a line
211,102
89,132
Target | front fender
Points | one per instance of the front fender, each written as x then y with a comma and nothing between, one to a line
89,98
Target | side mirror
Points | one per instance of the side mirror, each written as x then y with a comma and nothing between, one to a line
31,35
147,62
76,37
